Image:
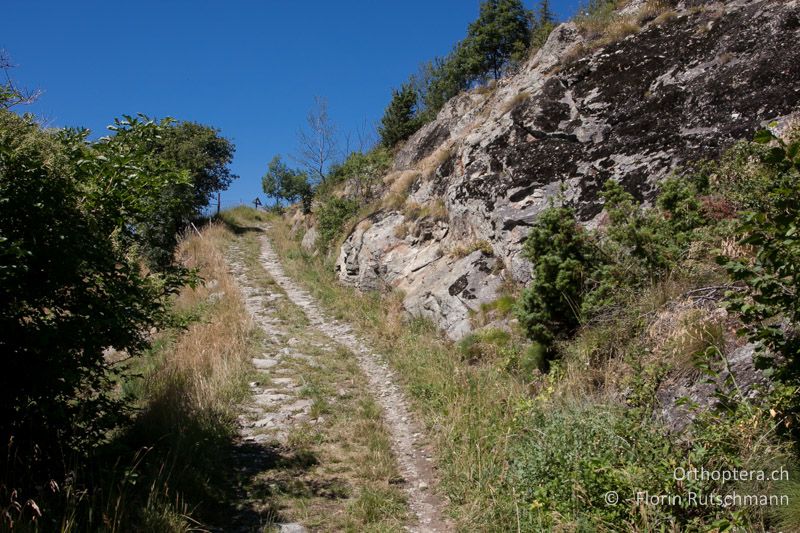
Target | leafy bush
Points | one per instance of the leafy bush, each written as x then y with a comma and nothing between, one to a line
283,183
74,232
362,173
568,456
770,304
198,151
331,218
578,274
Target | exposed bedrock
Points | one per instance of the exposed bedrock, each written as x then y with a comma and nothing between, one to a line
635,111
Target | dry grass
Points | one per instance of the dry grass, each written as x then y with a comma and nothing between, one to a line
514,101
652,10
399,183
401,231
435,210
665,17
466,249
617,30
574,53
169,469
487,90
430,164
211,356
596,361
346,435
605,26
469,408
682,332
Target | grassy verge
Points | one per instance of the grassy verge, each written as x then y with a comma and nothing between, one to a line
468,408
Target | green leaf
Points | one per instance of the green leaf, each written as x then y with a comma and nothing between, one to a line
793,150
775,155
763,137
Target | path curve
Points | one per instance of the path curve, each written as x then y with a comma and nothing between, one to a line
413,456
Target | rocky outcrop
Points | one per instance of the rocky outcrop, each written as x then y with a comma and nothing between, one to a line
679,90
682,396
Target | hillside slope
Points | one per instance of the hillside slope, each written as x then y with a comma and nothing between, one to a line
465,188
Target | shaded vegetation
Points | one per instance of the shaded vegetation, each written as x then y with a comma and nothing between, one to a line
87,274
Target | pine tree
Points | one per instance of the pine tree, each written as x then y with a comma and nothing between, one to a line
561,254
544,15
545,21
501,32
399,120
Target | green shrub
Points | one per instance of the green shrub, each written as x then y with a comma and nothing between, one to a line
362,173
563,256
500,34
579,274
400,120
502,306
770,304
568,457
74,235
283,183
332,217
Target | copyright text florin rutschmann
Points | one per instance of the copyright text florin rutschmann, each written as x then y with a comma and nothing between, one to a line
713,499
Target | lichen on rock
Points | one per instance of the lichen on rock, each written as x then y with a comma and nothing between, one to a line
635,111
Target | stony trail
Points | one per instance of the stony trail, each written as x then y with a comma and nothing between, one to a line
276,409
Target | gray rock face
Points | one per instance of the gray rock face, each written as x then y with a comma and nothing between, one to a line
634,111
310,239
701,393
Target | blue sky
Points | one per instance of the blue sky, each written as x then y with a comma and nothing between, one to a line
250,68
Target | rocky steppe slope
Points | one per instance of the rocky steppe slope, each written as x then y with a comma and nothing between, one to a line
465,188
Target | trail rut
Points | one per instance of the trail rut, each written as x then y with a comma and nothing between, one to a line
413,455
277,408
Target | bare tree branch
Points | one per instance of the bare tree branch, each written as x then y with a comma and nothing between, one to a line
10,93
317,143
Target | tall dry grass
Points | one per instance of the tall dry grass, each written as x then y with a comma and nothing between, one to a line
211,358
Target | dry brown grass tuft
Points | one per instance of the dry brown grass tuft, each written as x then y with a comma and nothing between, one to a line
429,165
616,31
665,17
514,101
399,183
401,231
435,210
466,249
732,247
652,10
682,331
212,355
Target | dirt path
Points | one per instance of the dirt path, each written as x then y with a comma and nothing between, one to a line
299,341
412,455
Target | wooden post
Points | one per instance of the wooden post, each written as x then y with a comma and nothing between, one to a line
219,202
